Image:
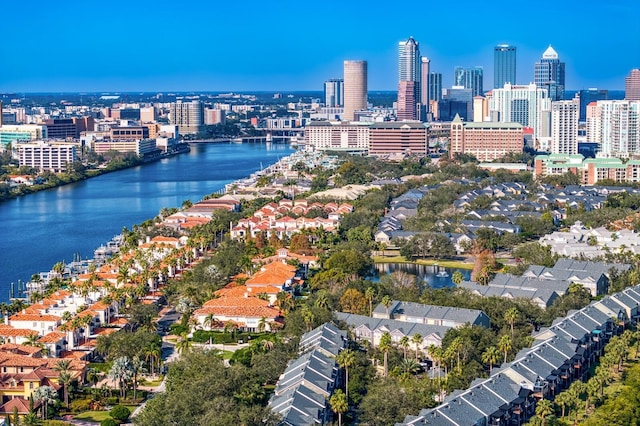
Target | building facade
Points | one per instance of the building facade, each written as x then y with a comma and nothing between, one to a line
334,92
615,127
504,65
528,105
549,74
469,78
409,77
564,126
406,101
188,116
44,156
22,133
355,88
337,136
485,141
398,138
632,85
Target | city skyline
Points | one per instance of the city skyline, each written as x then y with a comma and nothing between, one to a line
144,46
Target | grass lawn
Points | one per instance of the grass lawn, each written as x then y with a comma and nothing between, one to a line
100,366
155,382
92,416
446,263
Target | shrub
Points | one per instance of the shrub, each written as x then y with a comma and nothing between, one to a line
120,412
109,422
112,400
80,405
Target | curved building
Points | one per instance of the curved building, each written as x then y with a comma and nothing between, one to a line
355,88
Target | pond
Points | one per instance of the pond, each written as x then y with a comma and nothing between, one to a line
433,275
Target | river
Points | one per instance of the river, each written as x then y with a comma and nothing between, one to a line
41,229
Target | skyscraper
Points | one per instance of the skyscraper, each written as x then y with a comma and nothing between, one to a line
435,86
564,126
528,105
632,86
591,95
334,92
470,78
424,87
406,100
504,65
355,88
409,70
549,74
615,127
188,116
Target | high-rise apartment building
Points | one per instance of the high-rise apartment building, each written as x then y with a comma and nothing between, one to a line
549,74
406,101
504,65
188,116
409,70
615,127
632,86
564,126
334,92
469,78
590,95
528,105
355,88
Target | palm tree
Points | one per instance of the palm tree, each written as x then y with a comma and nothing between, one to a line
416,339
386,302
262,324
511,316
339,405
93,376
346,359
152,355
32,340
457,277
409,366
505,344
137,367
564,400
385,346
308,317
491,356
322,300
121,371
65,378
208,321
370,293
46,395
544,408
184,344
404,344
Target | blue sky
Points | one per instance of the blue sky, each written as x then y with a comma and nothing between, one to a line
283,45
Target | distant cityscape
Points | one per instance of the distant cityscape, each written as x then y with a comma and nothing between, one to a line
588,129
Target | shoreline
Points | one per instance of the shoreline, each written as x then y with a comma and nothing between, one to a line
455,264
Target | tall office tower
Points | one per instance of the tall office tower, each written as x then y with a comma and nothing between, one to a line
528,105
615,126
549,74
355,88
504,65
435,86
564,126
424,87
334,92
409,64
406,101
590,95
456,101
632,85
469,78
188,116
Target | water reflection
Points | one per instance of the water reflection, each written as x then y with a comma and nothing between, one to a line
433,275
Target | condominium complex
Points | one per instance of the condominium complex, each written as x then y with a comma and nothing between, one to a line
188,116
564,126
139,147
45,156
615,127
485,141
355,88
591,170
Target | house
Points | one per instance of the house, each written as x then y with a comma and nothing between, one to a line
247,313
431,315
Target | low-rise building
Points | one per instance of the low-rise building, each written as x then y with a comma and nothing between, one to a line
45,156
485,140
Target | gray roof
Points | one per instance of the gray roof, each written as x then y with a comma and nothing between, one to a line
545,296
417,310
327,337
406,328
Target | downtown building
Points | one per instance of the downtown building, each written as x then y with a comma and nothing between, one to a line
391,138
504,65
409,80
615,127
549,74
632,86
528,105
22,133
188,116
45,156
334,92
564,126
355,88
469,78
485,141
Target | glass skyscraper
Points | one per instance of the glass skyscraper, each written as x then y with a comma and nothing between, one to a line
469,78
549,74
409,70
504,65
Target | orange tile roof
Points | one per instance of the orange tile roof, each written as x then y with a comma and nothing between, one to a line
53,337
9,331
239,311
19,349
276,273
236,301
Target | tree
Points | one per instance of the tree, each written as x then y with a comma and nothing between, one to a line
511,315
505,345
339,404
564,400
137,367
184,344
353,301
404,344
120,413
346,359
385,346
121,372
544,408
63,368
416,339
45,395
387,302
491,356
370,293
457,277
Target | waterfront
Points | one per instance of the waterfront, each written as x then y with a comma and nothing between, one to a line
428,274
49,226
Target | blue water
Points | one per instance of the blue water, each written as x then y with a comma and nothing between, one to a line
41,229
426,273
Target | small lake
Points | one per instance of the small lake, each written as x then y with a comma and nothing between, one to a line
433,275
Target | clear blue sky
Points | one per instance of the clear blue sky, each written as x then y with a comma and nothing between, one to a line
284,45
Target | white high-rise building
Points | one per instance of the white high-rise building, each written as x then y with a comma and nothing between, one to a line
615,126
528,105
409,78
355,88
564,126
